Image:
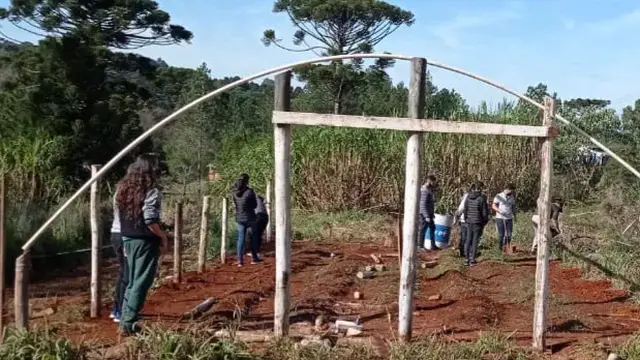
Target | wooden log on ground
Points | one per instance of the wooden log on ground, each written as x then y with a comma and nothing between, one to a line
365,275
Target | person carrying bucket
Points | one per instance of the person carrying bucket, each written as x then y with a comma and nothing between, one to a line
427,212
476,213
557,205
504,204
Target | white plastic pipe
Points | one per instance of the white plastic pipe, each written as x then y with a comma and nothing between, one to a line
276,70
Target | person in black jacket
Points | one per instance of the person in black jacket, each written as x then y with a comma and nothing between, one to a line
245,201
476,214
262,219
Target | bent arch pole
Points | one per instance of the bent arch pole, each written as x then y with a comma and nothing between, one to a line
280,69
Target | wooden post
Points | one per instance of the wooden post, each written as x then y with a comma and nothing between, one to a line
282,147
94,213
177,245
223,235
3,248
204,232
413,173
268,199
542,234
21,291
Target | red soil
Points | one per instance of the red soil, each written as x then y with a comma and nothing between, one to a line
491,296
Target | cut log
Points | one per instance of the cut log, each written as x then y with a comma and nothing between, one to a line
351,332
344,324
357,295
429,264
319,324
435,297
368,268
376,259
201,308
365,275
380,267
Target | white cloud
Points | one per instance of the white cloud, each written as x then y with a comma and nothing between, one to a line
451,31
629,21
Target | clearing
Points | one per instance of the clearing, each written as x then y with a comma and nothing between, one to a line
496,295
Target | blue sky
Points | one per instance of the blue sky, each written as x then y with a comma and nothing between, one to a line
584,48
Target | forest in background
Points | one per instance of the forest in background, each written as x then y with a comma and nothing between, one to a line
74,99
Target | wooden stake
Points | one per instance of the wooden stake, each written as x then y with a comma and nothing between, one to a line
268,199
96,246
21,291
282,147
544,211
223,235
413,172
3,247
204,234
177,245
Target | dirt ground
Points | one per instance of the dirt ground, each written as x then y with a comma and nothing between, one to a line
492,296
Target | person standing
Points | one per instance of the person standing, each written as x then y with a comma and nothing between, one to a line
462,224
476,213
427,212
262,220
245,202
504,204
139,202
122,278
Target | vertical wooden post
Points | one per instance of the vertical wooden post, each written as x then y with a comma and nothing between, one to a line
282,147
223,235
94,213
177,245
268,205
21,291
542,234
204,234
3,248
411,228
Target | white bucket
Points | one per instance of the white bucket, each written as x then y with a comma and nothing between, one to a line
442,234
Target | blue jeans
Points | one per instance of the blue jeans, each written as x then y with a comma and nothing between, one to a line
505,229
431,226
242,231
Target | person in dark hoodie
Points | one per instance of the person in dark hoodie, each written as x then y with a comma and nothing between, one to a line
462,221
262,219
427,212
245,201
476,214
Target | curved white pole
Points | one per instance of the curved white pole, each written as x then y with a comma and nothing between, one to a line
279,69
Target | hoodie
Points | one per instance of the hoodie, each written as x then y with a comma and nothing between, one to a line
427,202
245,201
476,210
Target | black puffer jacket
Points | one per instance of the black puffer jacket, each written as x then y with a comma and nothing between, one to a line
245,200
476,209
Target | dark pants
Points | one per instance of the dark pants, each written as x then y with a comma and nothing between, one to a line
262,220
242,232
505,229
122,279
471,244
424,225
142,261
463,238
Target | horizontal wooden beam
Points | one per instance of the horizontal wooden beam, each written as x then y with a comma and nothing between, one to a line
406,124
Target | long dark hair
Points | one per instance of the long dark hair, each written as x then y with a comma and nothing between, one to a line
134,186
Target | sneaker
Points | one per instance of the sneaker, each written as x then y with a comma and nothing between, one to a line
256,261
113,314
239,265
116,320
474,262
466,263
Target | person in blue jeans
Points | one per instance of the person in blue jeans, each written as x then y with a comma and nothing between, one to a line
245,202
427,213
504,204
122,279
